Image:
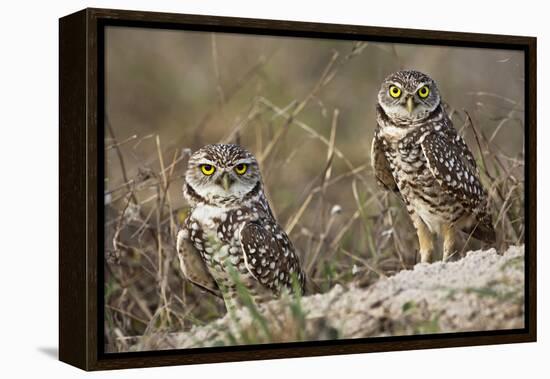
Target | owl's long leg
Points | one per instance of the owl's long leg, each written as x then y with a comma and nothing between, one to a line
425,239
449,241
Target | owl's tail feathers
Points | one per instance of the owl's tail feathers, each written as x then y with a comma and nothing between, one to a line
483,231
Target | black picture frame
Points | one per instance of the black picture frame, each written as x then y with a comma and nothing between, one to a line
81,42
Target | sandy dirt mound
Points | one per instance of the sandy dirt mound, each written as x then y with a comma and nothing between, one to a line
482,291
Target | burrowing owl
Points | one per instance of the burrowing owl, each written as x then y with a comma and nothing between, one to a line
417,153
230,235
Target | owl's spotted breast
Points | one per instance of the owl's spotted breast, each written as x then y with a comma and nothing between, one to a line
417,185
215,234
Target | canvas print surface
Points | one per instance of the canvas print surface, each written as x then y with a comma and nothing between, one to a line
267,189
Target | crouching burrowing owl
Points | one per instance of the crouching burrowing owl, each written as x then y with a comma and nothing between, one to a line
417,153
230,236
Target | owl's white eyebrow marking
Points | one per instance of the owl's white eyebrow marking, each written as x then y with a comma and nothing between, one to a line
244,160
206,161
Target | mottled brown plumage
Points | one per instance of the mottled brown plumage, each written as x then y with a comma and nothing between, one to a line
417,153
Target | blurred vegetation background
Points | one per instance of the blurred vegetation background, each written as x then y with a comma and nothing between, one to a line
306,109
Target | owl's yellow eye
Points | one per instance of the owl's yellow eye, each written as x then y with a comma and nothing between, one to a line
241,168
207,169
423,92
395,92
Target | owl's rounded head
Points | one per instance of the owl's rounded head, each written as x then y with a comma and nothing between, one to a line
221,174
408,95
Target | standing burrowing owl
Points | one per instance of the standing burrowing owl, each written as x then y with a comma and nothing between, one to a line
418,153
231,235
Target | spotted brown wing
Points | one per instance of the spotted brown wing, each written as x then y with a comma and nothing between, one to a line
453,166
269,255
380,165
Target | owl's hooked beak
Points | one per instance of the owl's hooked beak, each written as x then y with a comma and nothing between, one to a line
225,181
410,105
